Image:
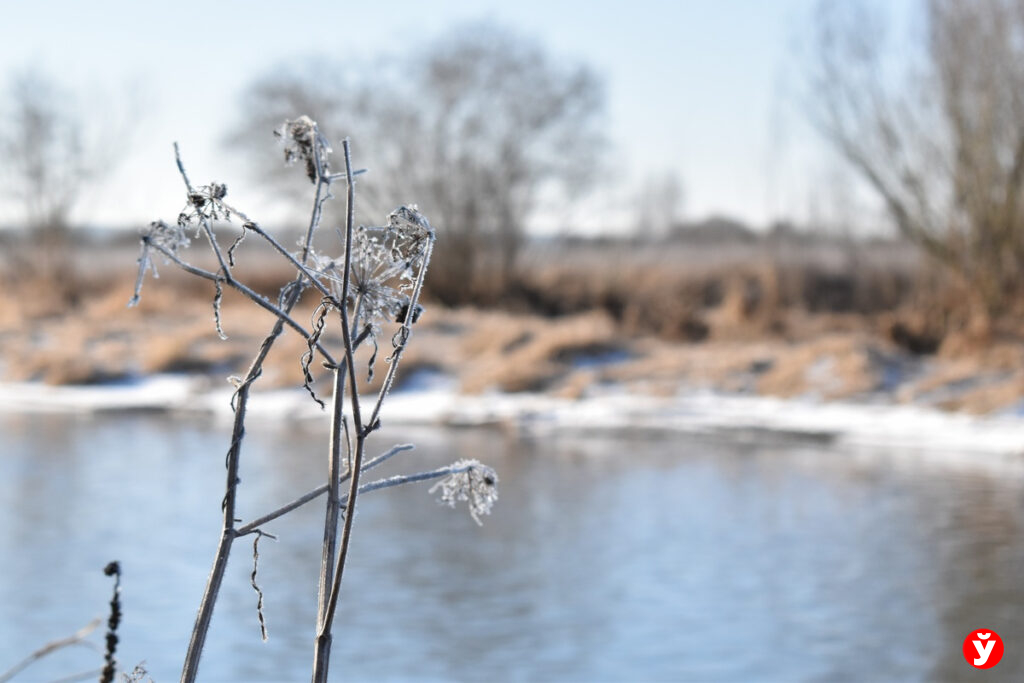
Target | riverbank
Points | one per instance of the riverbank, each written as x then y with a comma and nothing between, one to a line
820,357
753,366
433,400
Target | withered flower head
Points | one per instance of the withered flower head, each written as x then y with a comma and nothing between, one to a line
301,137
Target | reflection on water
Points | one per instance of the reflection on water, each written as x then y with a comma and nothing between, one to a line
612,558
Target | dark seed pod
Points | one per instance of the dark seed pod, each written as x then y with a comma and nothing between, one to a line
404,312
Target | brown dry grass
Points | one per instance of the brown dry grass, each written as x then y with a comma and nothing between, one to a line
759,325
526,353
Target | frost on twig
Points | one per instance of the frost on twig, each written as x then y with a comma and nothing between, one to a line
473,482
162,237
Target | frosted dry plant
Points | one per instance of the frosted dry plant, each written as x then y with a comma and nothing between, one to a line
473,483
373,285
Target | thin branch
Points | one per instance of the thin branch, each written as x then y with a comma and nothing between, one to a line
75,638
316,493
403,334
375,485
311,276
322,649
344,176
333,504
345,286
144,265
190,669
249,293
181,169
203,219
250,224
400,479
256,586
80,676
319,145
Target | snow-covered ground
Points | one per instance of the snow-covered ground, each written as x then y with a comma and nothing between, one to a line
435,402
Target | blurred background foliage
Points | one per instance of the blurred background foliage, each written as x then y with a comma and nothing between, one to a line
489,129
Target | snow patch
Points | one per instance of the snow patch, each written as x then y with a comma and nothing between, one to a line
868,425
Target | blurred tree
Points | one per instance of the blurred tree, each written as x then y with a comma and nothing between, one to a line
937,130
45,162
659,204
477,127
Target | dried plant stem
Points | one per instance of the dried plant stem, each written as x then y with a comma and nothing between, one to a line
250,224
110,670
333,504
403,334
76,638
256,586
323,641
330,575
379,277
190,669
203,220
400,479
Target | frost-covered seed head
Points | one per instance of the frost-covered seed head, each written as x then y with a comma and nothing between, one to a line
409,220
473,482
170,237
385,262
205,203
300,138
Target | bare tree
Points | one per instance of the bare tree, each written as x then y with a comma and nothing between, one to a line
45,161
658,205
937,130
483,122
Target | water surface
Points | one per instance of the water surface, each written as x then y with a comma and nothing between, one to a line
628,557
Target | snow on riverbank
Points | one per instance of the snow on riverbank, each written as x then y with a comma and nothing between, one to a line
437,403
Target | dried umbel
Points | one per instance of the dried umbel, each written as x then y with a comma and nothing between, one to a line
162,235
386,269
386,262
205,202
472,482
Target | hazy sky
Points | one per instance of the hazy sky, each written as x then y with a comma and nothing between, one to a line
704,89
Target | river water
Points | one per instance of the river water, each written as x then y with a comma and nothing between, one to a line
608,557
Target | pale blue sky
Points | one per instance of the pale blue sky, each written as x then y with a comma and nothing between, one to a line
704,89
